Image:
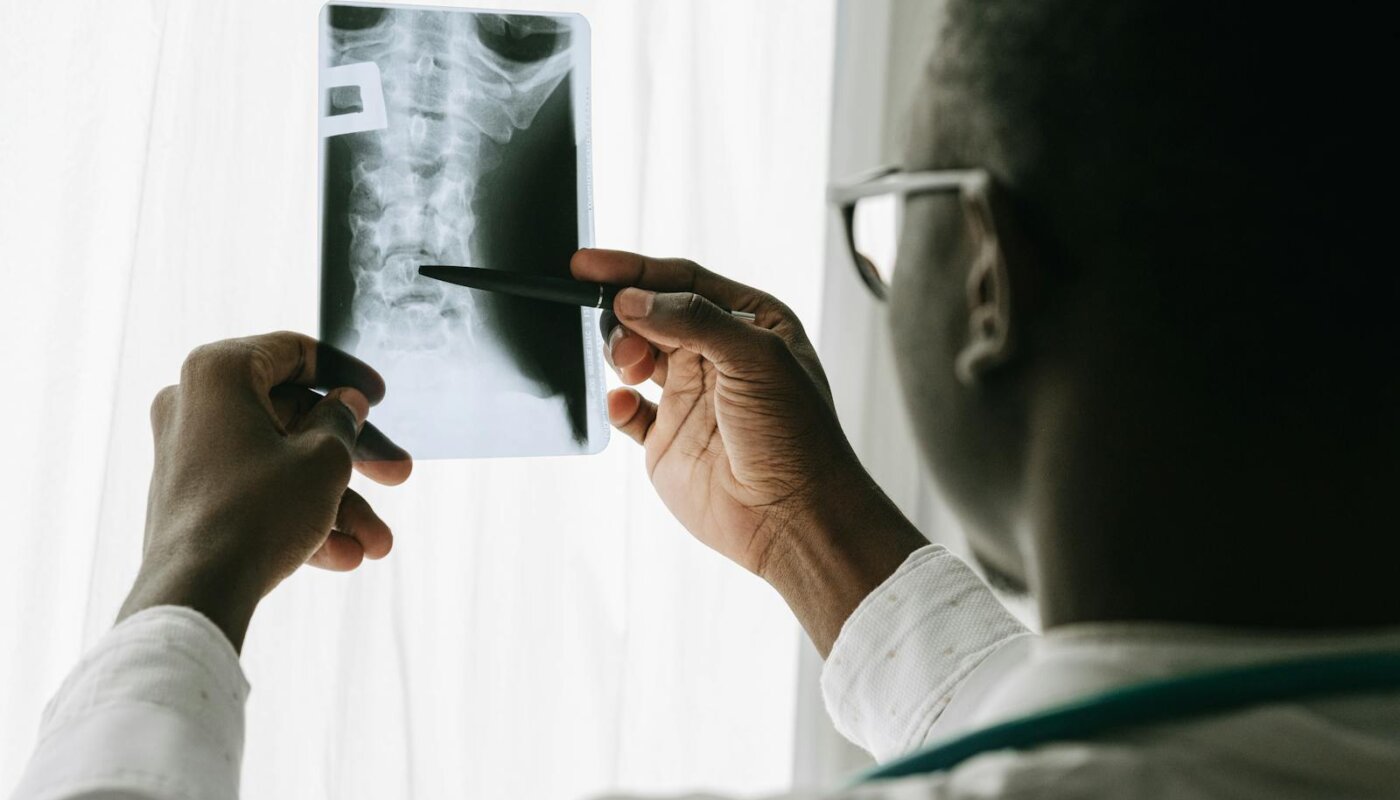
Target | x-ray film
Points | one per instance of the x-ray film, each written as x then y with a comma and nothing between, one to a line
455,136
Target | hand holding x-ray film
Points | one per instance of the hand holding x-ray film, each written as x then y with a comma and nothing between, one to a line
459,137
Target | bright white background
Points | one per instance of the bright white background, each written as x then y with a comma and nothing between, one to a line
542,629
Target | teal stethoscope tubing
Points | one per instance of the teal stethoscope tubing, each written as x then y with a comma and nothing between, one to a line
1159,701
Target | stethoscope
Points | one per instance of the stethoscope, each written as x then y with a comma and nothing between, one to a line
1169,699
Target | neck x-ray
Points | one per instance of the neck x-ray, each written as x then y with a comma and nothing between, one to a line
459,137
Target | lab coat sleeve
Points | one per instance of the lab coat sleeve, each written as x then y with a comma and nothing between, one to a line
154,711
909,647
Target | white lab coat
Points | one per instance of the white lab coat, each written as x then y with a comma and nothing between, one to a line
156,709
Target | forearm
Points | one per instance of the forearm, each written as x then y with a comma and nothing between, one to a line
835,550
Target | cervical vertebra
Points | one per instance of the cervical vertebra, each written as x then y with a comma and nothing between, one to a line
449,100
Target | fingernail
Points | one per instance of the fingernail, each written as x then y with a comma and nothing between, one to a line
635,303
615,337
356,402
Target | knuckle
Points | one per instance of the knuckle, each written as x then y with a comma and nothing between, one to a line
695,308
212,360
772,308
202,354
779,307
259,363
771,345
162,404
692,267
780,317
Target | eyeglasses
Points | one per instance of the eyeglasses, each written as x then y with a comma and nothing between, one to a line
872,207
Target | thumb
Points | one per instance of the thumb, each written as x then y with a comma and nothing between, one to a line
691,322
334,422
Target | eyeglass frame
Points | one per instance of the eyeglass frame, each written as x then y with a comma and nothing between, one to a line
972,186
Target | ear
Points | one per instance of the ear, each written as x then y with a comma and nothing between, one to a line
990,338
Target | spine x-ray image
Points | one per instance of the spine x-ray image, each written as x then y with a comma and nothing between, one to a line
459,137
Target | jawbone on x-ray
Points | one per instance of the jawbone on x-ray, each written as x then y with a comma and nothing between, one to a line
459,137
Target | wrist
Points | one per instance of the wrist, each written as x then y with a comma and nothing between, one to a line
222,594
835,551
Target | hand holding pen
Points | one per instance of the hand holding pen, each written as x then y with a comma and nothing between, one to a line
743,445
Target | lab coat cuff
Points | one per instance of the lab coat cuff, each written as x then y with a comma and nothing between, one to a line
156,707
908,646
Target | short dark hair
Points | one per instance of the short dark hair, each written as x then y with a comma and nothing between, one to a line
1202,141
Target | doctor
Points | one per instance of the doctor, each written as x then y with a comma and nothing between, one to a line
1149,347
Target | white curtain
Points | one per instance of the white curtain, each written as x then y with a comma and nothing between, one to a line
543,628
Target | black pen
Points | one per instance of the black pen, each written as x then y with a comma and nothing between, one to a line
537,287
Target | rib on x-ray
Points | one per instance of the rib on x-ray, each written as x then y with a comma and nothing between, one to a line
454,137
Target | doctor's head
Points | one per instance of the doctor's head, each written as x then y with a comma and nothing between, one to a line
1169,279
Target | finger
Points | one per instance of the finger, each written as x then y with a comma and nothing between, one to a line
628,348
272,359
163,405
607,323
331,427
661,369
357,519
641,370
378,458
338,553
610,341
632,357
631,413
687,320
622,268
291,402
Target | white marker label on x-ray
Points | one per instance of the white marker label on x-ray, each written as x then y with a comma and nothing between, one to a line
370,117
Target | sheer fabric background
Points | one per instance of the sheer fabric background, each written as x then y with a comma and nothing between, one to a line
542,629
